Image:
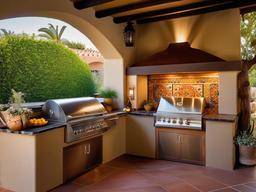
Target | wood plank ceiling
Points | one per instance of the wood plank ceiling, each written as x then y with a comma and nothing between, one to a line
146,11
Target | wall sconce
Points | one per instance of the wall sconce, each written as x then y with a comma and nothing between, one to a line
129,35
131,93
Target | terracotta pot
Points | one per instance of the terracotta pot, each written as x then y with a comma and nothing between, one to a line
108,101
148,107
108,108
247,155
13,122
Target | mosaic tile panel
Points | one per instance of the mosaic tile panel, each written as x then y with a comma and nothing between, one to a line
185,86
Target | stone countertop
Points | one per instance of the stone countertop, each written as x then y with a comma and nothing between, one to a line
220,117
209,117
35,130
142,113
52,125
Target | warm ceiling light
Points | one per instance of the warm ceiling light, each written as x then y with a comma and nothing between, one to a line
129,35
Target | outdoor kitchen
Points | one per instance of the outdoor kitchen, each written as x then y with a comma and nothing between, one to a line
175,94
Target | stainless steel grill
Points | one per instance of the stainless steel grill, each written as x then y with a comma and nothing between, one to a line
85,117
180,112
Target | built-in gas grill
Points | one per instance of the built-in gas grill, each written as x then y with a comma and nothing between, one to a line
180,112
85,117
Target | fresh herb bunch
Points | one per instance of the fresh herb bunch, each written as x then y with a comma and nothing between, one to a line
14,111
108,93
246,138
4,107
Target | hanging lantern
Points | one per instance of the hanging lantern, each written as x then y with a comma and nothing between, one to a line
129,35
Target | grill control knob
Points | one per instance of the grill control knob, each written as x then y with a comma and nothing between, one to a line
181,121
187,122
174,121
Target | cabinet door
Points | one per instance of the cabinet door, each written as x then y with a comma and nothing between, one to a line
114,140
140,136
192,148
81,157
168,145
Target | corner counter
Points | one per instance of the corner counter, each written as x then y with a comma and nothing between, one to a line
32,159
220,133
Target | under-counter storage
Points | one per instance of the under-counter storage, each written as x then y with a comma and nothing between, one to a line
180,145
81,157
140,136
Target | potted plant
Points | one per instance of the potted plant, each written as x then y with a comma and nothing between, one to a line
247,146
108,94
148,105
14,115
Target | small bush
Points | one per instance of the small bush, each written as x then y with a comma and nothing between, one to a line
108,93
42,70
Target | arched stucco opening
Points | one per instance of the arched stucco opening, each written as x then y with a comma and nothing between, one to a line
107,49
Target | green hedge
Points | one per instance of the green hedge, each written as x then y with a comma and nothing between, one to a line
42,70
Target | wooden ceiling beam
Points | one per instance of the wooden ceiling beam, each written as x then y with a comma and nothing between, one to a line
83,4
132,6
168,10
247,9
234,4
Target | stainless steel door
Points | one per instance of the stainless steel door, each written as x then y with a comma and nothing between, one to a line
81,157
192,148
168,147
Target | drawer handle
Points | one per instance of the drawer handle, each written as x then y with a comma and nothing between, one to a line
85,150
89,149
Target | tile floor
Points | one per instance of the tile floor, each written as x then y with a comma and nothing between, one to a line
134,174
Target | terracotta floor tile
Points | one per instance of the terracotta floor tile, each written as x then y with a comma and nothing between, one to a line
251,184
136,174
244,188
248,171
183,171
124,179
95,175
228,189
156,165
228,177
159,177
180,187
144,189
203,183
69,187
121,163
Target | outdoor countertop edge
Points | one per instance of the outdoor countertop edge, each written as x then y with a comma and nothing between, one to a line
220,117
38,130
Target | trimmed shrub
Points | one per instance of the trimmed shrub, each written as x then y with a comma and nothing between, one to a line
42,70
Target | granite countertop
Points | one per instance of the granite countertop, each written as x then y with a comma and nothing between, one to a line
220,117
142,113
35,130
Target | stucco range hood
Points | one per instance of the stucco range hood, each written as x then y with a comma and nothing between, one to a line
181,57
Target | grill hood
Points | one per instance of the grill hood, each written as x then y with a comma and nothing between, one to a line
189,105
67,109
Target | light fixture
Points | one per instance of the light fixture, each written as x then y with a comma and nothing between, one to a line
131,93
129,35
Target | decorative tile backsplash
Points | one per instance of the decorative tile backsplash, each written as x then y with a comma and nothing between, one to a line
186,85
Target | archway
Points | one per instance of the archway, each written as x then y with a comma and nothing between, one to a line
109,52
